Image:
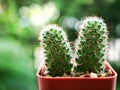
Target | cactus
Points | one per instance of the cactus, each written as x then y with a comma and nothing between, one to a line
90,47
57,50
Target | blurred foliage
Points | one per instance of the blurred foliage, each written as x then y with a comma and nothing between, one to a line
16,72
16,51
116,66
118,87
107,9
17,43
9,23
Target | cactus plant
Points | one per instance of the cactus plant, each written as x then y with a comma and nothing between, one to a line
91,45
90,48
57,50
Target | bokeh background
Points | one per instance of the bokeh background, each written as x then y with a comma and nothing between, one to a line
21,22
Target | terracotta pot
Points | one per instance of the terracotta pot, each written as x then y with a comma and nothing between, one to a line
68,83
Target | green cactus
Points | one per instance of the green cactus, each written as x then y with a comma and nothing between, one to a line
57,50
91,45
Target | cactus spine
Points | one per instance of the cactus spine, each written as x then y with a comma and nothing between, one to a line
57,50
91,45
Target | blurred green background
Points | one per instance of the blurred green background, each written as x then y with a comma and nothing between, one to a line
21,22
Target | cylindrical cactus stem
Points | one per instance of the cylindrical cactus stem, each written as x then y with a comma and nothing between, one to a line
56,50
91,45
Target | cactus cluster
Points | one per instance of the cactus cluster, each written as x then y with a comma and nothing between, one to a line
57,50
91,45
89,48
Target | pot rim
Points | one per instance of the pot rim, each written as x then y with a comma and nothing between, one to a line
108,66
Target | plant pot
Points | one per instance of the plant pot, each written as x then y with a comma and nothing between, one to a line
76,83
